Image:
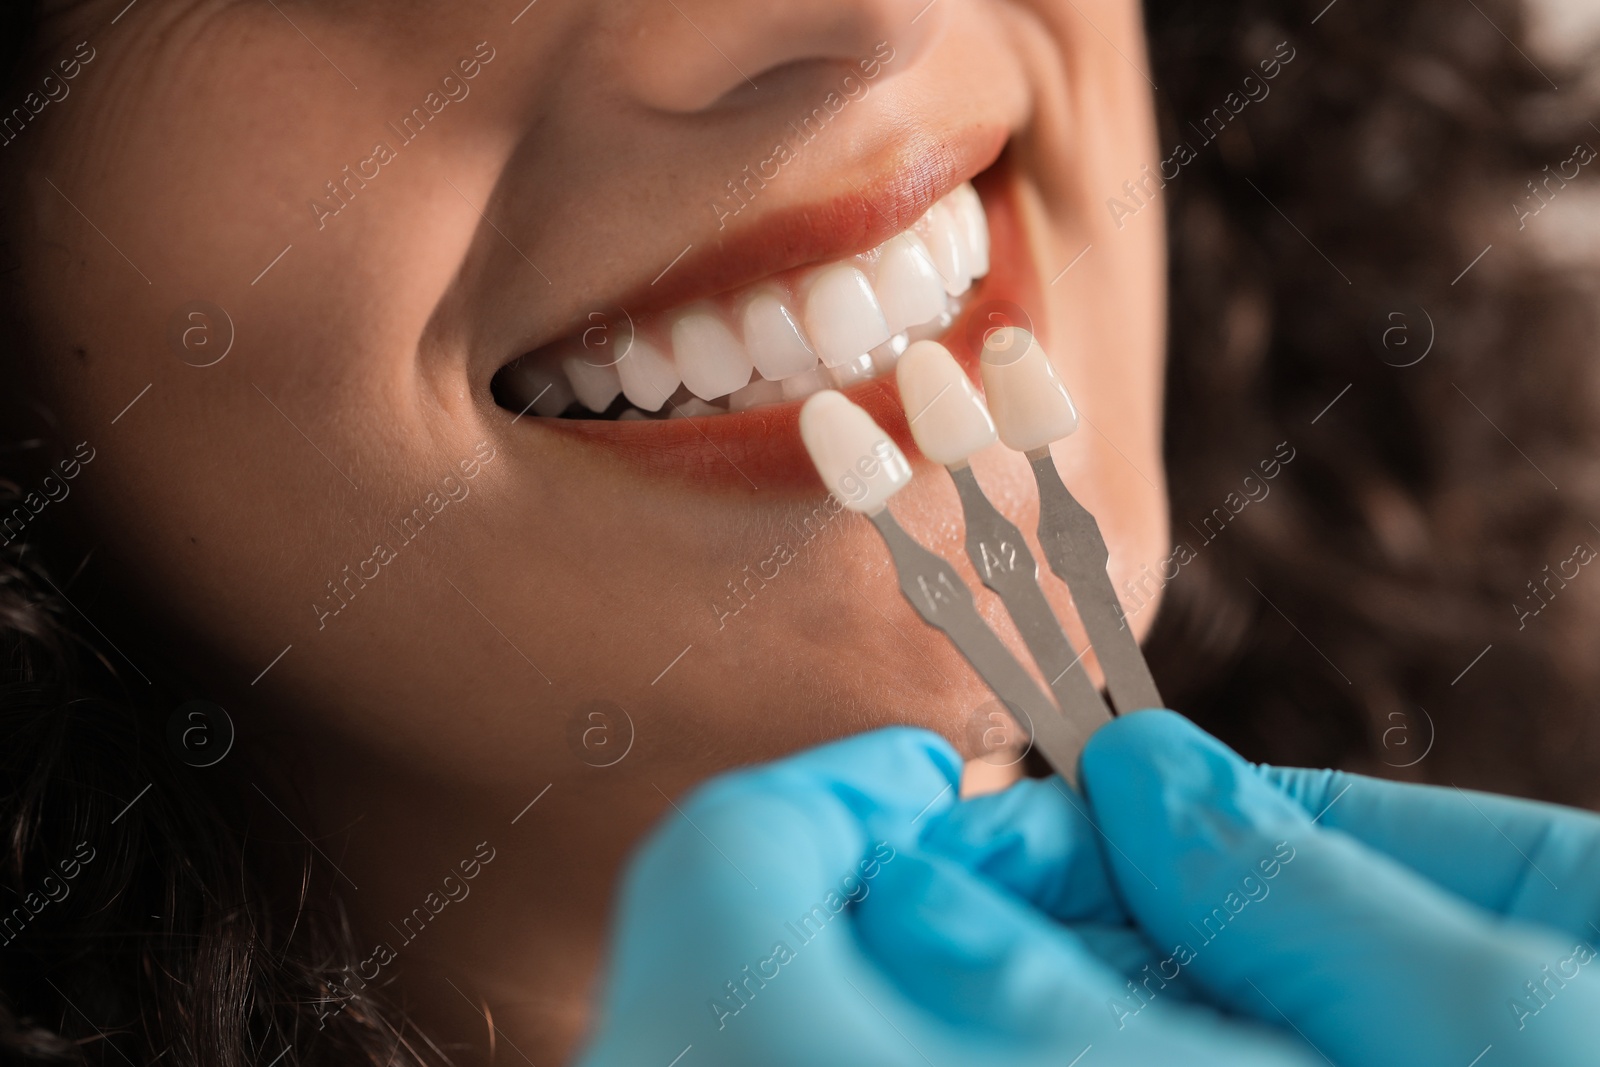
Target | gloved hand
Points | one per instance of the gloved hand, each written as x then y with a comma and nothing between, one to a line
1387,924
842,907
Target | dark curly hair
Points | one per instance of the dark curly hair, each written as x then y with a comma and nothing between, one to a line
1369,600
1320,245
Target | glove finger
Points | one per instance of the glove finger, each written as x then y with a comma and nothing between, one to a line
971,952
1036,840
1282,920
1144,968
797,826
792,842
997,971
1513,857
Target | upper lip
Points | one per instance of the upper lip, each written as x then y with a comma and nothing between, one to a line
885,197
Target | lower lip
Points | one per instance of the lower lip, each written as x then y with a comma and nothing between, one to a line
761,448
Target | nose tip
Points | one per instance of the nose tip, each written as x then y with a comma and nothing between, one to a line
687,54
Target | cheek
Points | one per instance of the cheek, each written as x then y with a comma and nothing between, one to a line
240,490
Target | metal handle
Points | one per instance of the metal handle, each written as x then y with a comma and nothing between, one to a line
943,600
1004,564
1077,554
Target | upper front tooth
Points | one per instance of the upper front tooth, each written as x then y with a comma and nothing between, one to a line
947,244
908,287
773,338
975,225
843,316
712,361
596,385
648,375
941,232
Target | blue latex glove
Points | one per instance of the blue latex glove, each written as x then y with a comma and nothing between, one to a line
841,907
1386,923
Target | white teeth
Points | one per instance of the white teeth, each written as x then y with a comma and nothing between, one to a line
711,359
908,287
632,415
803,385
773,338
974,228
947,417
595,386
648,375
783,338
858,461
947,244
886,355
1030,404
694,406
537,386
931,331
758,393
857,370
842,315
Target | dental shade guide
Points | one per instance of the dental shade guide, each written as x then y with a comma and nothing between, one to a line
1032,408
950,423
945,603
857,460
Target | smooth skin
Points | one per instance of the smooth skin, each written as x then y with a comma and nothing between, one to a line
423,718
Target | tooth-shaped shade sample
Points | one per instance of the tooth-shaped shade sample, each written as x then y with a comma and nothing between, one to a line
842,315
975,224
858,461
711,359
948,419
595,386
773,338
1031,406
648,375
909,289
536,385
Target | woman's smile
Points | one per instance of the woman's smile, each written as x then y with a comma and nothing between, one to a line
780,338
840,324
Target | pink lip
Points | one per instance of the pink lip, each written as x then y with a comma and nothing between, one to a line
762,447
873,210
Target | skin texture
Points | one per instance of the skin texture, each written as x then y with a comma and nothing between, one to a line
424,716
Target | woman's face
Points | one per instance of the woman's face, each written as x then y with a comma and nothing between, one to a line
384,204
